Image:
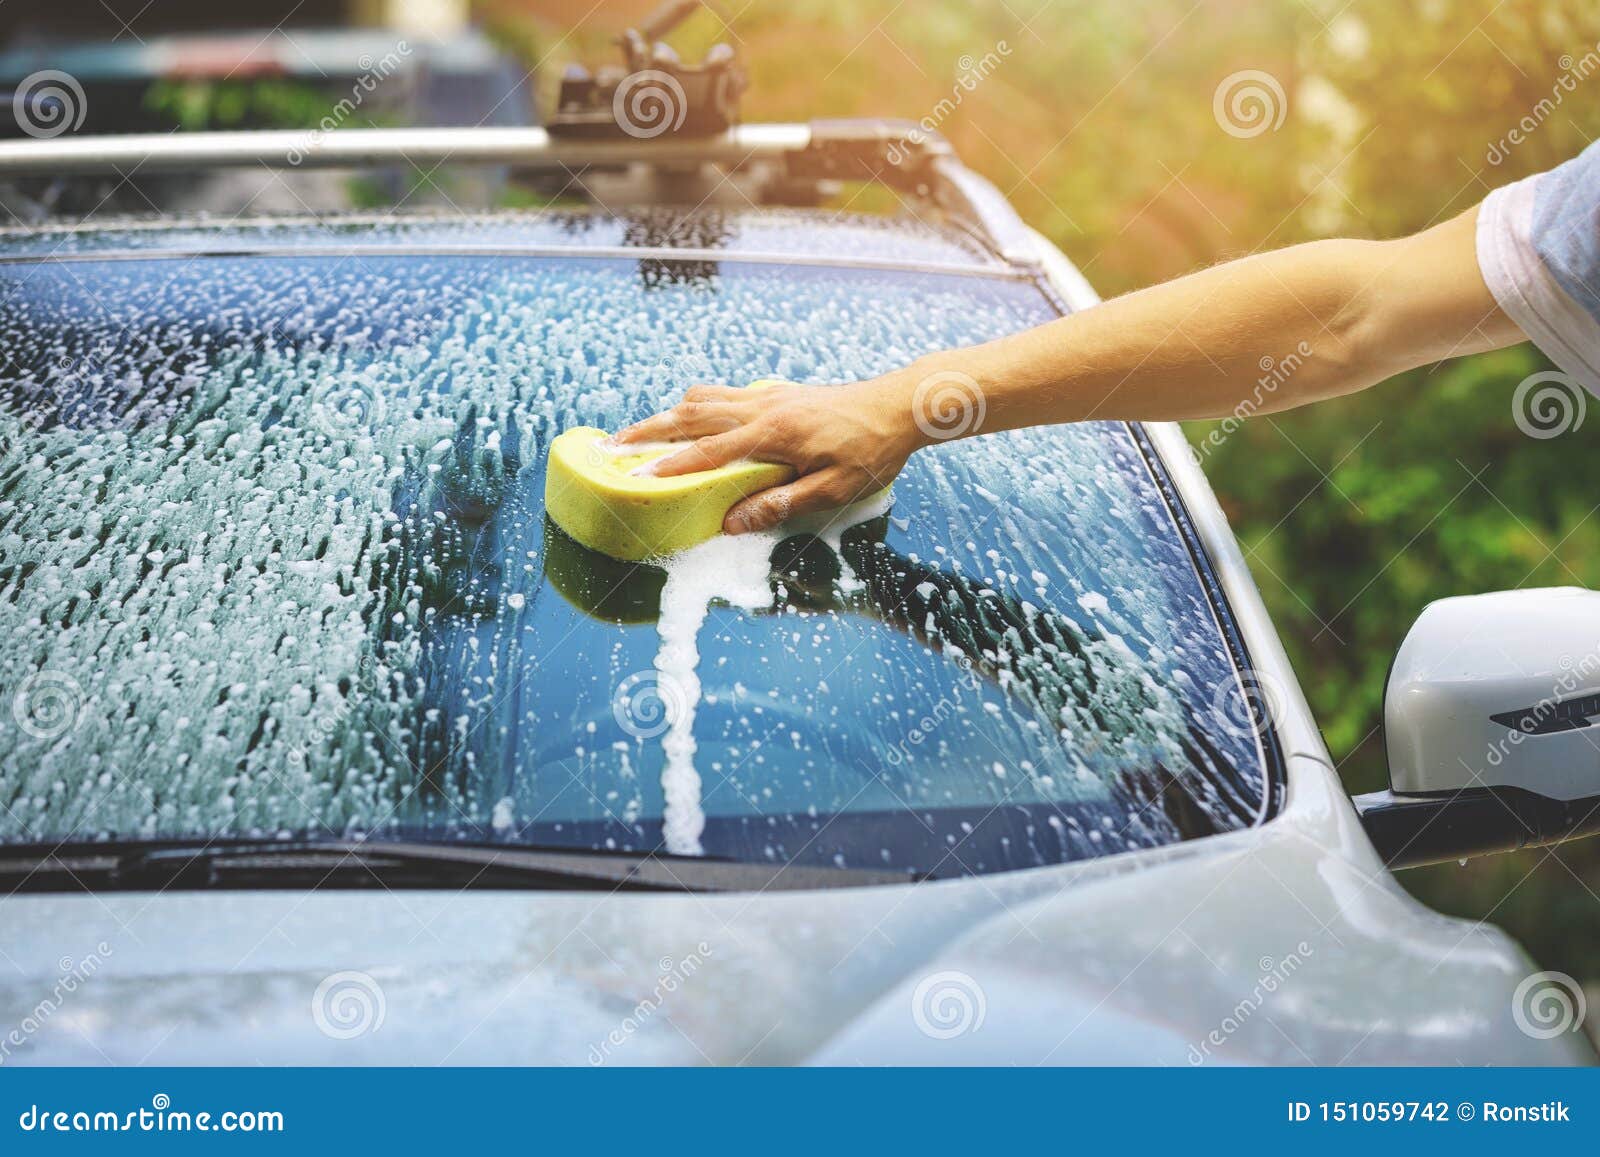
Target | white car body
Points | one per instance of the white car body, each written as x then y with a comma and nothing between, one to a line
1287,943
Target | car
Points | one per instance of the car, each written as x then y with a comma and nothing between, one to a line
138,86
321,78
325,747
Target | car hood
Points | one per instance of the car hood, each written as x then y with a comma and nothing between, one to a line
1285,944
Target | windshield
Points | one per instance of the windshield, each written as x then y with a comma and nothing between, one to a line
274,562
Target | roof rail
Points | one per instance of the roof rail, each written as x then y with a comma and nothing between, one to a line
895,153
525,148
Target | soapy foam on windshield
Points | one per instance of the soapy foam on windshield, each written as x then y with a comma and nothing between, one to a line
734,569
218,521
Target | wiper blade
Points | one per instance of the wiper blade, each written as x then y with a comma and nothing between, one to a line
396,864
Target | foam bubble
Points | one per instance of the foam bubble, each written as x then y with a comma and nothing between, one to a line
734,569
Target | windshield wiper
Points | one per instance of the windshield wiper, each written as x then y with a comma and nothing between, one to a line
393,864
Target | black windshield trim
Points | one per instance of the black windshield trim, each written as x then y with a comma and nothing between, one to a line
230,863
1274,769
682,256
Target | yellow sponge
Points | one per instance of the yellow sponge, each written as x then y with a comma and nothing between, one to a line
590,493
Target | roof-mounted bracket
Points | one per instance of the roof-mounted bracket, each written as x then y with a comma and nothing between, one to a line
896,152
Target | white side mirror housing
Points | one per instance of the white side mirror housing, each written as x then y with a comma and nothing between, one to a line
1498,691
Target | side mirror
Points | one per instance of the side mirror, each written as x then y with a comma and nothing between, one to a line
1492,726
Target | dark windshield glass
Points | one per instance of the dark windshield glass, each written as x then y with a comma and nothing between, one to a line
273,560
784,233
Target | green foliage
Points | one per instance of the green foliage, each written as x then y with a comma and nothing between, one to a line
198,105
1357,513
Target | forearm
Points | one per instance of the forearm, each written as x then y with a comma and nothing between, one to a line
1260,334
1256,335
1196,347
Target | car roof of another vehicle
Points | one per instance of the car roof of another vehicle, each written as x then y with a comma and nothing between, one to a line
803,236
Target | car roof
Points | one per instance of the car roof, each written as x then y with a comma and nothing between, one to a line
796,235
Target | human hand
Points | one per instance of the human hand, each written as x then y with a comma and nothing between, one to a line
843,442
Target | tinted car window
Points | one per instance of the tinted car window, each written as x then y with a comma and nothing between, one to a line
273,560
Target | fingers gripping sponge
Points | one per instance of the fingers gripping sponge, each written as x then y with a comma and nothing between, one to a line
590,493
